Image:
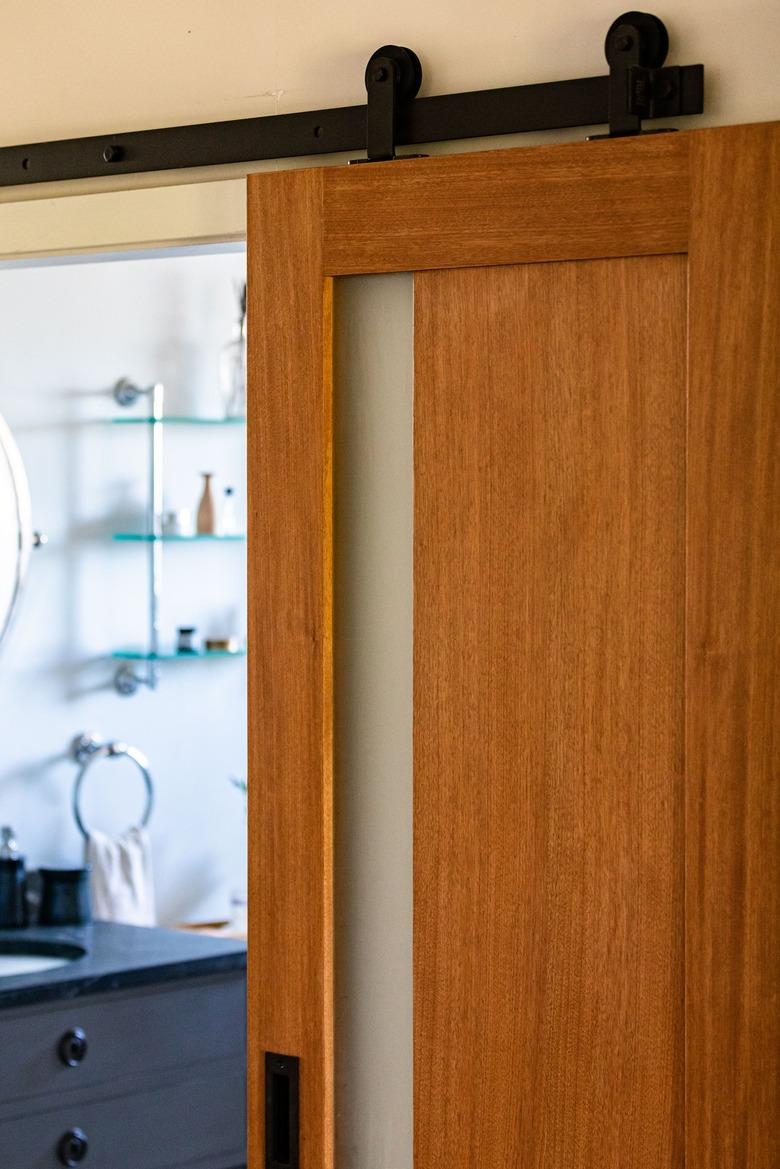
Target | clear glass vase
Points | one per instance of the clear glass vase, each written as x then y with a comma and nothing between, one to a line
232,367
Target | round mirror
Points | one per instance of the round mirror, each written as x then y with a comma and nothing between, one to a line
15,529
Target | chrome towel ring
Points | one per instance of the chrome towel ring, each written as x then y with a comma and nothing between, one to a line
87,748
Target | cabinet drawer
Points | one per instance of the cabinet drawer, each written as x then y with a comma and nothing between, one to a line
128,1034
195,1120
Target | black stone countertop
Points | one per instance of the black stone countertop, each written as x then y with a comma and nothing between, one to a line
117,956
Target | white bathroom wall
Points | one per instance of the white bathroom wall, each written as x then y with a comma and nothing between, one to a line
67,332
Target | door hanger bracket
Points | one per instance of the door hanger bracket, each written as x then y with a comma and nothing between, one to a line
393,78
639,87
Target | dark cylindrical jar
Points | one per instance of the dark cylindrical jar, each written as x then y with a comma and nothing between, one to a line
65,897
13,890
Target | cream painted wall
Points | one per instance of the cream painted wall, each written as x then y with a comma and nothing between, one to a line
89,66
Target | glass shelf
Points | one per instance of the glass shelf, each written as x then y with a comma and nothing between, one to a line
178,420
170,537
137,655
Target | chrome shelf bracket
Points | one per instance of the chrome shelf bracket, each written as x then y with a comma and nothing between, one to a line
127,680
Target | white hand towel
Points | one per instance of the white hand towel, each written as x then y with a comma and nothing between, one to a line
121,879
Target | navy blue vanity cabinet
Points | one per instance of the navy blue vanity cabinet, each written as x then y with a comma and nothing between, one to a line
145,1072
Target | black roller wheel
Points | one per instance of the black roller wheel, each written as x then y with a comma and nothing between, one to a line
409,69
653,39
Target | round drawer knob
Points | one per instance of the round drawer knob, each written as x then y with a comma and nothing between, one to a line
73,1047
73,1147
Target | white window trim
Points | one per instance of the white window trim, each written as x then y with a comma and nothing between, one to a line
124,220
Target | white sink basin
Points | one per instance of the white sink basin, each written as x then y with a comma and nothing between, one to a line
21,957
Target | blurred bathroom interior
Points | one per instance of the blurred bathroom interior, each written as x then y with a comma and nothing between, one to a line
109,549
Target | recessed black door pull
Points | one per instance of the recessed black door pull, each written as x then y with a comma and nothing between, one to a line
282,1113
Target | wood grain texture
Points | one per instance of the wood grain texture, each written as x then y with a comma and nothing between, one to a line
290,973
733,705
591,600
575,201
548,740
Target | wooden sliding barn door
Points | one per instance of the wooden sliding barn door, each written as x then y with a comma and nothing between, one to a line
596,615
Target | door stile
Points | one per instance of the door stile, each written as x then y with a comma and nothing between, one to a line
290,976
733,627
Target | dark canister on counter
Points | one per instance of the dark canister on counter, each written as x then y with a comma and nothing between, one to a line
65,897
13,890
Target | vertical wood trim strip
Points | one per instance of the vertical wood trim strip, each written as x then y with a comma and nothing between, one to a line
733,618
290,979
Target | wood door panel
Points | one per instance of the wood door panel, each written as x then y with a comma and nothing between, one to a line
549,634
